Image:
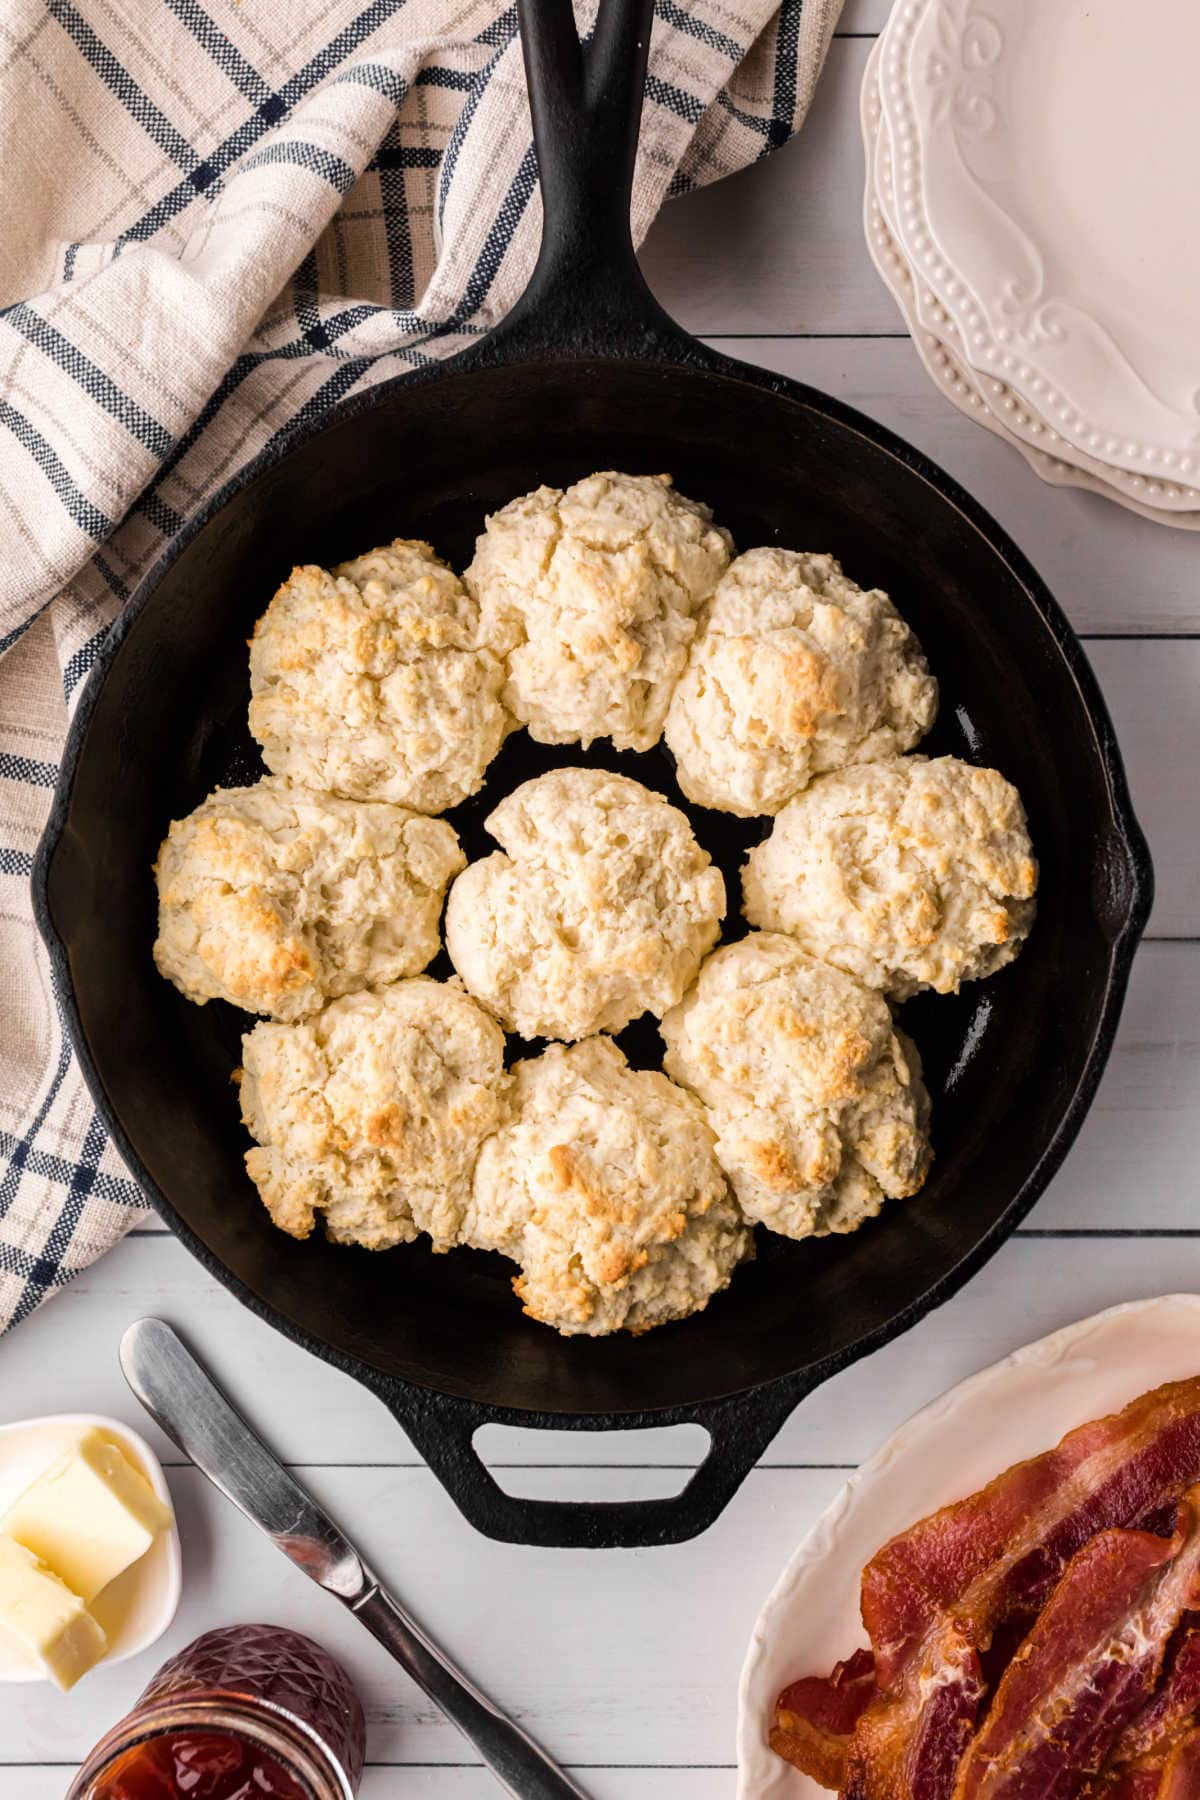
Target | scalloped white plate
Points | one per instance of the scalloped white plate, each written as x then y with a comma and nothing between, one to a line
1015,1409
138,1606
925,312
991,402
1046,161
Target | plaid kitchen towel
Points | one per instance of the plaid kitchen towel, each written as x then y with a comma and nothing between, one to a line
218,217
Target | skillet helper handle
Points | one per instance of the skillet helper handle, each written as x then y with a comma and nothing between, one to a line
442,1429
586,290
521,1768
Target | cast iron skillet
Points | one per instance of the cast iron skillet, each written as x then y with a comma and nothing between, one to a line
588,373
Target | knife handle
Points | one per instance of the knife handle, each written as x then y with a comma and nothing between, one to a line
526,1772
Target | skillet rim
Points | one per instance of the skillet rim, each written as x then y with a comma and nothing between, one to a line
1132,901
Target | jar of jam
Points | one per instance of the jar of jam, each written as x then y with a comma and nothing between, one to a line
251,1712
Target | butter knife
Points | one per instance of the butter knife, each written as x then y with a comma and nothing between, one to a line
185,1403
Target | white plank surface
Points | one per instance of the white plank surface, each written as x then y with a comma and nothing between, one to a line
1153,691
626,1663
863,17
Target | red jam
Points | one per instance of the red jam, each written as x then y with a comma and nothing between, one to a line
284,1668
224,1719
203,1765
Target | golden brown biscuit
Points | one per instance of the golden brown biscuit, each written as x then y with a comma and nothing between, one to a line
599,907
816,1100
605,1188
370,1114
908,873
594,593
375,681
794,670
278,899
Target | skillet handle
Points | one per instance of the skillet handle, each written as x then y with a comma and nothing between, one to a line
442,1428
586,290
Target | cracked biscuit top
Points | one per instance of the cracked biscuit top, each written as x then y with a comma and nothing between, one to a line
911,873
794,670
598,908
375,681
369,1115
593,592
278,899
604,1187
815,1097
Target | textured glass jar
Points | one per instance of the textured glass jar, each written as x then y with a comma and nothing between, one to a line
253,1710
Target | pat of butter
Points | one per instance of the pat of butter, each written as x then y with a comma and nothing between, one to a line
42,1613
89,1516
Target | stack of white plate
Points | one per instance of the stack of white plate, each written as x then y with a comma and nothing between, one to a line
1033,203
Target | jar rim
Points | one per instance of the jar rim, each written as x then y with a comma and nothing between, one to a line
263,1723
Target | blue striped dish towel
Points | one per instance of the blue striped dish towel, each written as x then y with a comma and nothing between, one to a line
219,217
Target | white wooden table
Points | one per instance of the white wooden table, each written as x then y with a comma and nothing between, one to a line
626,1664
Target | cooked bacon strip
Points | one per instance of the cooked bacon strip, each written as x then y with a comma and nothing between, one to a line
1138,1763
1087,1667
910,1749
1063,1675
1181,1780
944,1731
1160,1519
1028,1523
815,1718
1127,1784
939,1596
1130,1784
1171,1712
1173,1777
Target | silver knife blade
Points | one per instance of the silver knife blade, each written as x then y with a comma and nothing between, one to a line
186,1403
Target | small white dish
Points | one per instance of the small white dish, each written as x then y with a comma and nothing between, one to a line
137,1607
955,1445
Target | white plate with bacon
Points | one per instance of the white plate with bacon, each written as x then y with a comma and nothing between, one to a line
1113,1589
